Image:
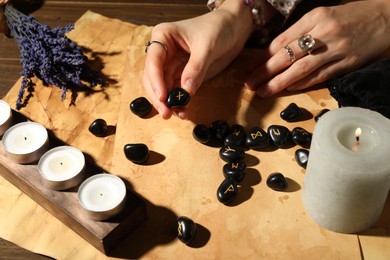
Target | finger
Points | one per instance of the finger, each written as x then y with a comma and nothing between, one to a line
299,28
280,61
297,71
195,71
321,75
154,70
162,109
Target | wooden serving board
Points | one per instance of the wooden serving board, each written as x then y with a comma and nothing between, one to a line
181,176
64,205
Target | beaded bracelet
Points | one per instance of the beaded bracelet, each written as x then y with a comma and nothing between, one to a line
257,12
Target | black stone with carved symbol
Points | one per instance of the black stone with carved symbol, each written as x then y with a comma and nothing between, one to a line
177,98
302,157
320,114
236,136
235,170
301,137
140,106
201,133
98,127
227,191
219,129
277,181
231,153
186,229
257,138
291,113
137,153
279,135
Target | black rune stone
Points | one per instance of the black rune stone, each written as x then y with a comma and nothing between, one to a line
291,113
235,170
177,98
186,229
137,153
320,114
98,127
140,106
280,135
219,129
301,137
231,153
201,133
257,138
277,181
227,191
236,136
302,157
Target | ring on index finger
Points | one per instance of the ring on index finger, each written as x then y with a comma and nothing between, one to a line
306,43
159,43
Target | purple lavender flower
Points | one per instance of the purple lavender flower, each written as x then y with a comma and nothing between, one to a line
49,55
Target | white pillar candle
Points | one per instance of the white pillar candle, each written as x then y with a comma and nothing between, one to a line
62,167
102,196
5,117
347,179
25,142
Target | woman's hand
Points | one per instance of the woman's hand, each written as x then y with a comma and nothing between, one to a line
197,49
347,36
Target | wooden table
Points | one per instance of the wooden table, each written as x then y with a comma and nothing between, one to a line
253,190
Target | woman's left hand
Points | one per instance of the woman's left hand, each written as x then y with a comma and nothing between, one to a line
346,37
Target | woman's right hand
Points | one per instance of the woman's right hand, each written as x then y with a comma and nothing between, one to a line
197,49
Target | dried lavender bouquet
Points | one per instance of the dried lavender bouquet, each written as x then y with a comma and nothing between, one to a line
49,55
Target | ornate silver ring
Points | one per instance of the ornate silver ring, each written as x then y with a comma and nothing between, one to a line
306,43
159,43
290,53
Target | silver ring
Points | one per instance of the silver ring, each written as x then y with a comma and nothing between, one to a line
290,53
159,43
306,43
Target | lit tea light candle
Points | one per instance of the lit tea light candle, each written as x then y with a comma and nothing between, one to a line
348,173
356,145
5,117
62,167
25,142
102,196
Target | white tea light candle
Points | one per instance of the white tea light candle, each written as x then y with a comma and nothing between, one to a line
5,117
348,173
25,142
102,196
62,167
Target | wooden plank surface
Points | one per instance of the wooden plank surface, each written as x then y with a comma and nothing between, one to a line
272,228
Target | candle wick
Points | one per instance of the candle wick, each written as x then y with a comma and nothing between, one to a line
25,138
61,163
101,194
357,139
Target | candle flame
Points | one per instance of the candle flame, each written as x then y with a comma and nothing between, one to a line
358,132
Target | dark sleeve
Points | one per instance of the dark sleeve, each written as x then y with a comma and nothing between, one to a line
368,87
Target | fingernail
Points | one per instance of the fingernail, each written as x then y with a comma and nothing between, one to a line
182,115
159,110
189,86
264,91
